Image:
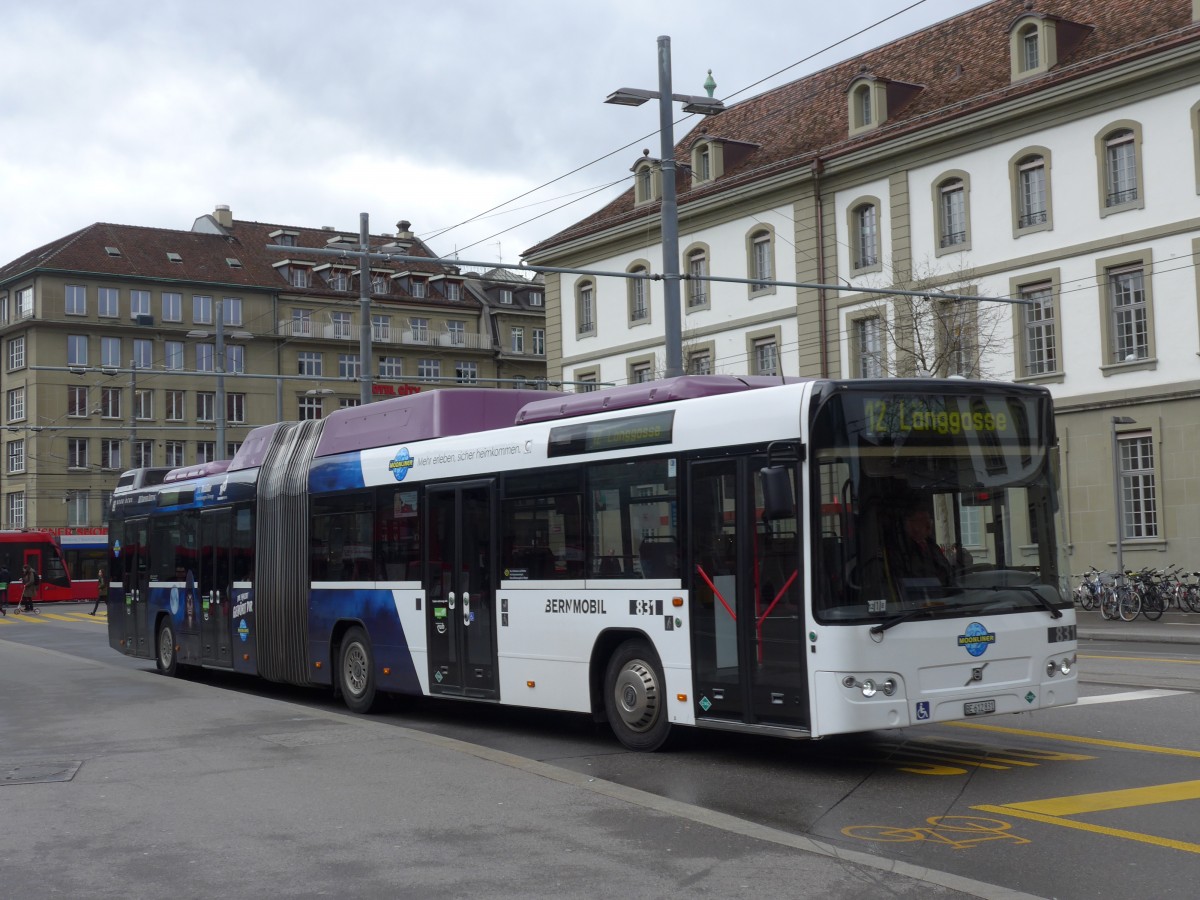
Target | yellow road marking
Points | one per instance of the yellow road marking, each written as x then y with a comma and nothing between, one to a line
56,616
1070,738
1095,829
1106,800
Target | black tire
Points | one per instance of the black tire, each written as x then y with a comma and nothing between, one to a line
635,697
356,671
1153,605
166,660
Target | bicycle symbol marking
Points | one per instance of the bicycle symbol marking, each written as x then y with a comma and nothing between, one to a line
958,832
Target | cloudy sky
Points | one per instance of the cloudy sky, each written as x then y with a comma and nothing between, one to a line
466,117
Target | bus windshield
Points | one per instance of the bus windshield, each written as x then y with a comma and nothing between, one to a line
934,504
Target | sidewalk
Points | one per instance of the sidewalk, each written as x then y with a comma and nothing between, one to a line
1172,628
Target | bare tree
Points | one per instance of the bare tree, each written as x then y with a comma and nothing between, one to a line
931,335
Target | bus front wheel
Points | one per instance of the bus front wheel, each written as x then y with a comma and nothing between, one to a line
634,697
356,671
165,659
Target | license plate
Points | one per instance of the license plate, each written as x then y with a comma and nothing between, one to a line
979,707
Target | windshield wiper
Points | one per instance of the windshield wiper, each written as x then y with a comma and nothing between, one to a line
1055,612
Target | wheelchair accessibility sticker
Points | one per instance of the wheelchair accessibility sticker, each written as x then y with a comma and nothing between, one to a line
923,711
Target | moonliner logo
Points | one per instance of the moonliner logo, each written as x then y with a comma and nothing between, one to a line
400,464
976,639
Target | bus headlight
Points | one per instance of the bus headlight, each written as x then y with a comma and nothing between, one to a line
870,687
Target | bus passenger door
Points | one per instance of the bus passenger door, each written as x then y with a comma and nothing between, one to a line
459,590
214,585
747,610
135,575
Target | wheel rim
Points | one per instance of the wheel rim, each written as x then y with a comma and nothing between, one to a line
636,694
166,648
354,669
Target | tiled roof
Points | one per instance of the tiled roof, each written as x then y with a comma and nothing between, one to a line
962,65
203,257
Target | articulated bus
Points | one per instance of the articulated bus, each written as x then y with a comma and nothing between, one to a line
712,551
41,551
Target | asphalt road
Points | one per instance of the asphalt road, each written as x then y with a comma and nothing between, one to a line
126,783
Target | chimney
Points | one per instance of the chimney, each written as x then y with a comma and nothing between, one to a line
223,216
402,231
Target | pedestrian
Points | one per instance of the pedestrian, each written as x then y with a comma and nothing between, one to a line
5,578
29,581
101,590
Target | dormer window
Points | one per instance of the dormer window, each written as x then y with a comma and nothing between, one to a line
296,274
1038,41
647,181
417,289
284,238
708,160
872,100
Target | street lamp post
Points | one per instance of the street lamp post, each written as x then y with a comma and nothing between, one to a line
672,317
221,412
1116,465
364,305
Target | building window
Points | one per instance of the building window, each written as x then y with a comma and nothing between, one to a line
310,363
391,367
302,323
173,356
953,214
1129,315
640,373
107,302
864,236
110,453
958,339
143,404
1139,502
235,408
231,311
380,283
172,307
466,372
349,365
15,456
869,347
202,310
518,339
647,179
539,341
868,105
702,163
341,325
143,353
24,306
456,332
139,303
77,347
639,309
174,406
506,296
338,279
418,288
1039,329
173,451
1118,150
697,272
535,298
206,406
586,382
77,453
15,404
16,353
206,451
110,352
766,356
429,369
110,403
453,290
1030,48
760,261
141,454
77,399
76,300
419,331
206,357
15,509
700,363
381,328
585,308
1032,192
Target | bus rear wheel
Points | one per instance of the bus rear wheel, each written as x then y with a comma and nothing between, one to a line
356,671
634,697
165,659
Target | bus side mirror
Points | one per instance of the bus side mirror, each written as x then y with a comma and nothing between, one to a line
779,500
